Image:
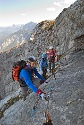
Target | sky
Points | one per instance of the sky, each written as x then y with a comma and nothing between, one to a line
23,11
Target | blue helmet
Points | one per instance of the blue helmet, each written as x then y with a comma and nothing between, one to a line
44,55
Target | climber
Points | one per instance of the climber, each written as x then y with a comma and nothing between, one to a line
43,65
51,55
27,76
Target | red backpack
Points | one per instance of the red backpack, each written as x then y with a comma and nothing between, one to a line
17,67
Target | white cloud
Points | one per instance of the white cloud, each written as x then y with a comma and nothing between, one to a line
51,9
69,1
23,14
57,4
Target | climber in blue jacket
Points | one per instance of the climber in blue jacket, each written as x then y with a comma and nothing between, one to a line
43,65
29,81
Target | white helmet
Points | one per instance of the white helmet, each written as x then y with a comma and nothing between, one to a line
51,47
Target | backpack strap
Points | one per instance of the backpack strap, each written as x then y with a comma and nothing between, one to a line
21,80
28,68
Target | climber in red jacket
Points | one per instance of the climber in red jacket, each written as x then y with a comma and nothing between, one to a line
51,55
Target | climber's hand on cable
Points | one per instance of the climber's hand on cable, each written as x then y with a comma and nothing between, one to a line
41,94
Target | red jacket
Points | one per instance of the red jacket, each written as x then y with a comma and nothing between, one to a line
51,55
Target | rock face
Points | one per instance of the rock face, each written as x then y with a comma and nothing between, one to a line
66,33
66,103
68,28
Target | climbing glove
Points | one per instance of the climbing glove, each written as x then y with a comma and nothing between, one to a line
41,94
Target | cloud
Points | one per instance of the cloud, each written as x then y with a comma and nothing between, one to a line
69,1
57,4
51,9
23,14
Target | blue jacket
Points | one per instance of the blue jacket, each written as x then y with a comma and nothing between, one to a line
43,64
27,77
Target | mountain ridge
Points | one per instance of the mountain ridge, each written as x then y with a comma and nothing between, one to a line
18,37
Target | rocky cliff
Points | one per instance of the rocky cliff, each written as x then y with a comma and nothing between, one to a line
66,104
66,33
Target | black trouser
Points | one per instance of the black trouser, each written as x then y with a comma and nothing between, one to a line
44,73
51,66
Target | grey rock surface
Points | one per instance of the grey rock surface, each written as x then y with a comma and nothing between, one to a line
66,33
66,103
